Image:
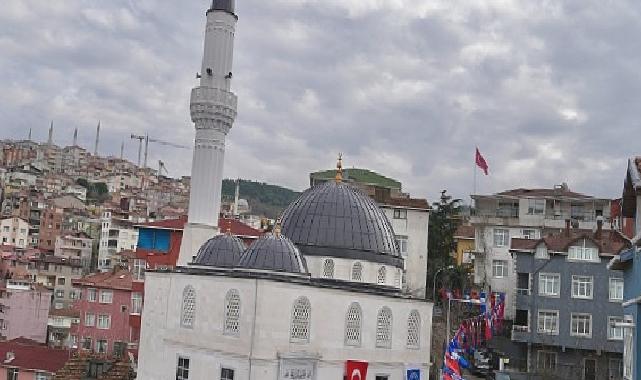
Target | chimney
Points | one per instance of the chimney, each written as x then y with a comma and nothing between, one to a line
9,357
599,227
567,227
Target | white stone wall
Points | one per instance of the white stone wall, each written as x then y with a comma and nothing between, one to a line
343,270
266,308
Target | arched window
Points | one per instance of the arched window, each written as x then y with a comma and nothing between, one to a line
328,268
414,330
357,271
382,276
384,328
301,315
353,325
188,312
232,312
397,278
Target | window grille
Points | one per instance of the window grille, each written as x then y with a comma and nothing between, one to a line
384,328
357,272
188,314
353,325
301,315
414,330
382,274
328,268
232,312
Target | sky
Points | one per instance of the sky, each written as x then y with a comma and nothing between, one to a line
548,90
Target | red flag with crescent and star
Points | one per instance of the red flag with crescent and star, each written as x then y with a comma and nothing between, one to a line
356,370
480,162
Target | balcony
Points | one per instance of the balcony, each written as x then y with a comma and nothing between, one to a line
520,333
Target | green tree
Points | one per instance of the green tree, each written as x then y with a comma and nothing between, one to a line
444,220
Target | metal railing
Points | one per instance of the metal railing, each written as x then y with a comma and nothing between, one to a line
523,292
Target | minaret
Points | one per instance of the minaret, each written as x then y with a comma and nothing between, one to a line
95,149
213,110
50,140
75,137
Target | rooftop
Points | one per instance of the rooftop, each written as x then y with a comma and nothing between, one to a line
236,227
610,242
119,279
560,191
30,355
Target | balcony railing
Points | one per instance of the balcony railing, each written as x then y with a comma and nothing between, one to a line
520,329
523,292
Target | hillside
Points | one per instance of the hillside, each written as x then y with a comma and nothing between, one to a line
263,198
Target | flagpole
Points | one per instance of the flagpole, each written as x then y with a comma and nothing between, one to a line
474,188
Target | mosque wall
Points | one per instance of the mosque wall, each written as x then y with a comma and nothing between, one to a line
264,335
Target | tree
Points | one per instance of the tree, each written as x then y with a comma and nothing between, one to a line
443,223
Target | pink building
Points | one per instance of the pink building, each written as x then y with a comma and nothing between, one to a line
106,307
25,311
27,360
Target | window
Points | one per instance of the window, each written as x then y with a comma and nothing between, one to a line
42,376
548,322
401,241
414,330
501,237
546,360
582,287
73,294
301,315
400,213
226,374
549,284
61,280
139,269
384,328
60,293
616,289
357,271
12,373
615,332
91,295
381,377
104,321
499,268
101,346
188,312
582,253
523,283
381,278
90,319
136,303
528,233
508,209
106,296
328,268
577,212
581,325
541,252
86,343
182,369
119,349
353,321
535,206
615,369
232,312
152,239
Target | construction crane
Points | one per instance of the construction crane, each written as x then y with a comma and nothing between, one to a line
148,140
161,168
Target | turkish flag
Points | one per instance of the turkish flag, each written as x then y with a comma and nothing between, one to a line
480,162
356,370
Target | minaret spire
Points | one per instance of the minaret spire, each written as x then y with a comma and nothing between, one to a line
213,110
29,134
75,137
50,140
95,149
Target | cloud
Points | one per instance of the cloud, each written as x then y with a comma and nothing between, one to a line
548,90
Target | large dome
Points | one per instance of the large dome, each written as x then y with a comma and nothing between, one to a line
336,219
273,252
220,251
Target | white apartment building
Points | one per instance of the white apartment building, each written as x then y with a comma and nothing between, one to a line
525,213
75,247
14,231
116,235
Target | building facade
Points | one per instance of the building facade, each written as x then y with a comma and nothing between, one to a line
25,311
569,304
14,231
524,213
78,247
117,234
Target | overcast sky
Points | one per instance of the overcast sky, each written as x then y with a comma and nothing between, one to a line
550,91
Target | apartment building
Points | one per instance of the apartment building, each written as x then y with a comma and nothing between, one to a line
569,304
57,274
14,231
75,247
24,310
118,233
528,214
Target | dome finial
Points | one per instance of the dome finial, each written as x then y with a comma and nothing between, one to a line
339,168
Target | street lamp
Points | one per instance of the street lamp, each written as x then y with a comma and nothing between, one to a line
436,275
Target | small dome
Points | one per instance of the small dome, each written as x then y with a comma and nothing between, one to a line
228,6
221,251
273,252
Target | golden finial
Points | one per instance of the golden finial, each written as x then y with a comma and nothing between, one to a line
339,168
276,228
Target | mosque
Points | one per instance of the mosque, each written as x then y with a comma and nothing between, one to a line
321,297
